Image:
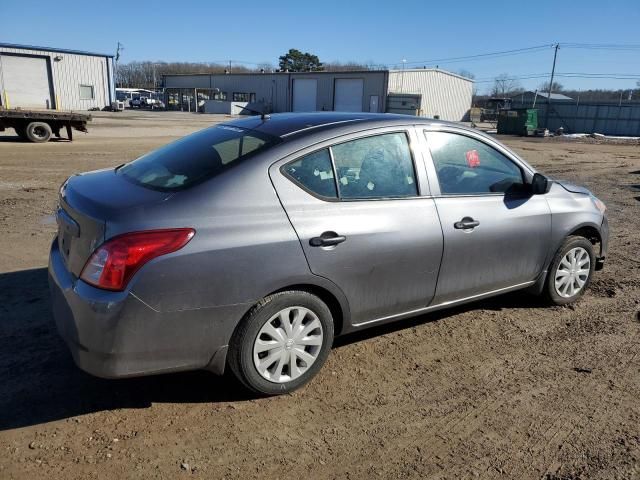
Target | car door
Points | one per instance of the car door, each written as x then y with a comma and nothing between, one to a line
365,220
496,234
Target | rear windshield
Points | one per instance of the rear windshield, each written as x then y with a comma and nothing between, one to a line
196,158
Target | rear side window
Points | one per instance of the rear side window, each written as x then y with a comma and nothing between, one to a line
314,173
379,166
196,158
468,166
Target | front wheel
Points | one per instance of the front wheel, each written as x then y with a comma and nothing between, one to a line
281,343
38,132
571,271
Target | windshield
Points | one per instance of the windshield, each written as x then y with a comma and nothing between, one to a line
196,158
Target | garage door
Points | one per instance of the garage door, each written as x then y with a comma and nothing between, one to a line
348,95
24,82
305,91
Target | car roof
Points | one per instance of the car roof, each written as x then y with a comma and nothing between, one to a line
294,125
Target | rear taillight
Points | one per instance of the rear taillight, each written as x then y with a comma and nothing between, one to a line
114,263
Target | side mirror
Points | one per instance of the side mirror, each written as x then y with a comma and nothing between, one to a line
540,184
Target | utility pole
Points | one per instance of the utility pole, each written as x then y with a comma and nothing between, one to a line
115,73
553,71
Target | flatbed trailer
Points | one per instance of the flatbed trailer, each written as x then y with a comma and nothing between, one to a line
39,125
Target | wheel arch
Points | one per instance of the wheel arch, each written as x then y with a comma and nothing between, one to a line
335,306
589,231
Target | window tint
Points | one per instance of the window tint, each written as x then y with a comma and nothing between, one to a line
196,158
375,167
468,166
315,173
235,148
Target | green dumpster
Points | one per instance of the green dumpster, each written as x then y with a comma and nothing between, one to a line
518,121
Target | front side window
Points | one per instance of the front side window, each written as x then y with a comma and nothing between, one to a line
86,92
379,166
314,173
466,166
196,158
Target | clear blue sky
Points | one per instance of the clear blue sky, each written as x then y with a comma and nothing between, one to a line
363,31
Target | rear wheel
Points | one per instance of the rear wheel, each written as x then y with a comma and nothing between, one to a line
282,342
38,132
571,271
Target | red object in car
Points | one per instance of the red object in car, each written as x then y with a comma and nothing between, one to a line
113,264
473,159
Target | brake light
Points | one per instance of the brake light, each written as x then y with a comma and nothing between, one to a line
113,264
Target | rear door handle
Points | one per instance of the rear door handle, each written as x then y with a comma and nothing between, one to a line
327,239
466,223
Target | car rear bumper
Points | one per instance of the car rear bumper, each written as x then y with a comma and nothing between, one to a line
115,334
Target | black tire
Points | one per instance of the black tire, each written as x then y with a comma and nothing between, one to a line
240,358
550,290
38,132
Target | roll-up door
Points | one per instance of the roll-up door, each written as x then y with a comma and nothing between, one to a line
24,82
348,95
305,92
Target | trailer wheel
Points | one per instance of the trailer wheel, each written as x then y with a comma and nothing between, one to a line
38,132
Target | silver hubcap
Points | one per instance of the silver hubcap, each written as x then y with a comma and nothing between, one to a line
572,272
287,344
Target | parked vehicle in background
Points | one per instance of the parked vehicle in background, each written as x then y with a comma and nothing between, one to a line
37,126
146,102
251,244
493,107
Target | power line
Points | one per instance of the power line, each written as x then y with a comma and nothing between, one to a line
601,46
516,51
525,50
605,76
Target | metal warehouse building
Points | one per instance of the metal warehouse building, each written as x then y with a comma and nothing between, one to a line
423,92
47,78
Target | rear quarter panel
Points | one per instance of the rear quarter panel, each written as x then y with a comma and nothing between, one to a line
244,247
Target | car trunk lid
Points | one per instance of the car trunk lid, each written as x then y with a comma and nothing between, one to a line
86,204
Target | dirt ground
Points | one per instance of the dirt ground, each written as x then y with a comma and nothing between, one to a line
506,388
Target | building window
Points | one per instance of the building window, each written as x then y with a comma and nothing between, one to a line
86,92
220,96
244,97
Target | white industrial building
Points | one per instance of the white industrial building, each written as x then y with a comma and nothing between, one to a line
57,79
423,92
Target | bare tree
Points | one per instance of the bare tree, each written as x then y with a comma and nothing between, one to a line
345,66
149,74
555,87
504,86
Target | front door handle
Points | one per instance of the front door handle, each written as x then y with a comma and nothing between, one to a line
327,239
466,223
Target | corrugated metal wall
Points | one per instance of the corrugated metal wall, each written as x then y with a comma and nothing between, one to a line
72,71
275,88
445,95
590,118
373,84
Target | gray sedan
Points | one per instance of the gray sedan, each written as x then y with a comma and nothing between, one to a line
250,245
